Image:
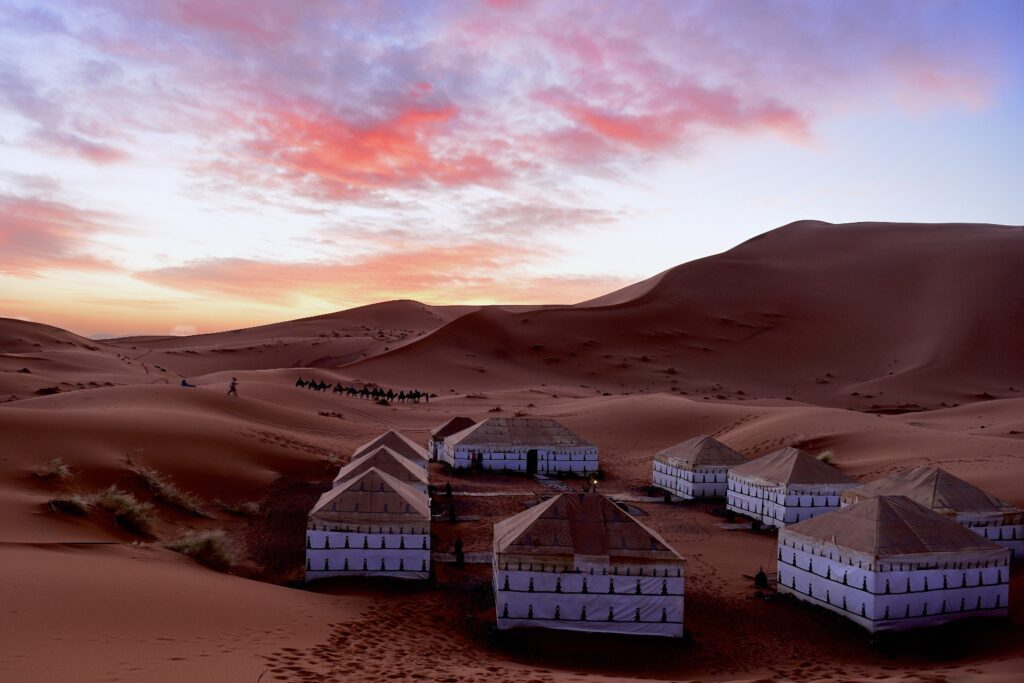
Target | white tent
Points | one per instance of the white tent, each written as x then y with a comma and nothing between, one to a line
521,444
579,562
370,525
937,489
435,444
784,487
888,563
696,468
400,444
385,460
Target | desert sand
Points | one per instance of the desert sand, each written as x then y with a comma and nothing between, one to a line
887,345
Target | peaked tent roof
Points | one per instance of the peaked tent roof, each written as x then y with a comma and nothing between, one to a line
934,488
385,460
891,525
701,451
791,466
452,426
373,497
518,431
586,524
397,442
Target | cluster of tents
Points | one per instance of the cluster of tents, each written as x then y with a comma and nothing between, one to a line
368,393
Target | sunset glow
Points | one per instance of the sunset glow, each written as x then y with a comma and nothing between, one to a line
197,165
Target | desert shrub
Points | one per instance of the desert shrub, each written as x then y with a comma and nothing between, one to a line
127,510
495,409
47,391
826,455
69,505
55,470
165,490
245,508
209,548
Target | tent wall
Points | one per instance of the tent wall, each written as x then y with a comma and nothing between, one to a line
578,601
435,447
894,594
691,482
579,460
397,555
1005,530
777,506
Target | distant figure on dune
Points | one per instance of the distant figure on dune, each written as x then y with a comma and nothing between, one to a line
301,383
233,387
185,383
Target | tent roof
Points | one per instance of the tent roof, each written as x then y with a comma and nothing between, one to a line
385,460
580,524
397,442
456,424
888,526
791,466
702,451
373,497
518,431
934,488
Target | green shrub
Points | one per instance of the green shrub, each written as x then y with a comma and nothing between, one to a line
210,548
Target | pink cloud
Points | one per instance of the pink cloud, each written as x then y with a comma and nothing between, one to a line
40,234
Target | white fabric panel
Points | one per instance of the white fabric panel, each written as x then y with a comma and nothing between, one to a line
405,556
778,506
580,460
532,599
891,595
689,483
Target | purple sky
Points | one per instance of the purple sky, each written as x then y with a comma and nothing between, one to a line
201,164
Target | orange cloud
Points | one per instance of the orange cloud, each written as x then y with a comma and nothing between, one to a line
438,273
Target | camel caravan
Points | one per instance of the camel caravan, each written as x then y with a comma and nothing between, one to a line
915,549
366,393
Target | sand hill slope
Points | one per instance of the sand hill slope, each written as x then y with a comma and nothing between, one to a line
867,315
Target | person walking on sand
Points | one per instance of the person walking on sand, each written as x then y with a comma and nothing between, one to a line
233,387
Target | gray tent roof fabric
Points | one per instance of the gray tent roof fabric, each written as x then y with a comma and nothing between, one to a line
452,426
934,488
701,451
890,526
386,460
791,466
505,432
587,524
373,497
398,443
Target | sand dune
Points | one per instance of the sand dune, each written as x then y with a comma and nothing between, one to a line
889,320
870,315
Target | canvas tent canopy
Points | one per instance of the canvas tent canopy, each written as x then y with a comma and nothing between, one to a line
889,563
786,486
521,444
400,444
940,491
435,444
369,525
579,562
385,460
695,468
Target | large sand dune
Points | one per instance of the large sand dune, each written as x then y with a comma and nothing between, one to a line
866,329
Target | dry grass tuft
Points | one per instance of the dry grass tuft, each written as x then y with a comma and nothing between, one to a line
826,455
164,489
55,470
210,548
69,505
245,508
127,510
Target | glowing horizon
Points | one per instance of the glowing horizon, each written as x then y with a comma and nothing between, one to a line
198,165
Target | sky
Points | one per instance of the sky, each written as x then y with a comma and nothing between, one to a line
189,166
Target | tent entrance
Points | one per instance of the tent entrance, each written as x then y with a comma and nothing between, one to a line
531,461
